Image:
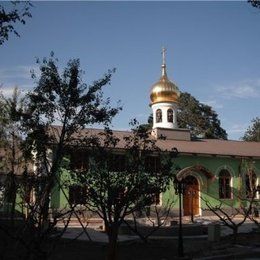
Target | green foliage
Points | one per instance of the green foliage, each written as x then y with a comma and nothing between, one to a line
63,99
253,132
60,98
199,118
10,135
18,13
254,3
14,106
2,121
119,184
124,174
11,140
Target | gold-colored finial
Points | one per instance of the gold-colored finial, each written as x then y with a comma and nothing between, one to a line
163,62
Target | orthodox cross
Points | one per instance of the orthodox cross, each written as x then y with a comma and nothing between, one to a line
163,55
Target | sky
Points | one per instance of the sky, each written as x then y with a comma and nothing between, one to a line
212,52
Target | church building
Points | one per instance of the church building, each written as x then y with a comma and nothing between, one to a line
212,169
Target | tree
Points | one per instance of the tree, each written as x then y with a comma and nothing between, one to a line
119,184
9,18
201,119
252,133
58,98
246,195
251,188
229,219
11,142
3,120
254,3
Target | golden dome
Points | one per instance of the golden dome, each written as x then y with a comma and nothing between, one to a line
164,90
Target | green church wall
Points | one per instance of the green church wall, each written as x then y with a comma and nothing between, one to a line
209,187
59,196
19,206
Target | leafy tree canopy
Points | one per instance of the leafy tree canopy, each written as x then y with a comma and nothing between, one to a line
117,185
63,98
60,97
200,118
9,114
2,120
18,12
10,136
253,132
254,3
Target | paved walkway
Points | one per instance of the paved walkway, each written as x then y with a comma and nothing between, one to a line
97,236
246,227
100,236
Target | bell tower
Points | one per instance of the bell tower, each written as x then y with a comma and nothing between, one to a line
164,100
164,103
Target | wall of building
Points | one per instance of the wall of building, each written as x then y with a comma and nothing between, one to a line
209,187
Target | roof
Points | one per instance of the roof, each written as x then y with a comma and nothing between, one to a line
213,147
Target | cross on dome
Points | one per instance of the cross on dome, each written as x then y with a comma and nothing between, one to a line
163,55
164,90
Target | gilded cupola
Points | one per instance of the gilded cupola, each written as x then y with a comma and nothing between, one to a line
164,90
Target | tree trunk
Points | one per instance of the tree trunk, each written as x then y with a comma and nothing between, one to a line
112,232
13,204
13,181
13,199
45,213
235,231
46,201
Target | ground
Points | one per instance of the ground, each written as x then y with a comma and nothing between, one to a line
248,246
75,247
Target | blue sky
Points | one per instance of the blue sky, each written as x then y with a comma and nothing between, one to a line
212,52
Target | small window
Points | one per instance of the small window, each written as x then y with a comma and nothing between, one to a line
224,185
170,115
152,164
77,194
250,184
117,163
79,160
158,115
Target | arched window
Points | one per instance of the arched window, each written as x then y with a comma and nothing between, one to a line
224,185
250,184
158,115
170,115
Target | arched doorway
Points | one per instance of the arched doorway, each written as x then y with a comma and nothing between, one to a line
191,196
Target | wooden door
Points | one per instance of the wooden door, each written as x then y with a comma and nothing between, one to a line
191,197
